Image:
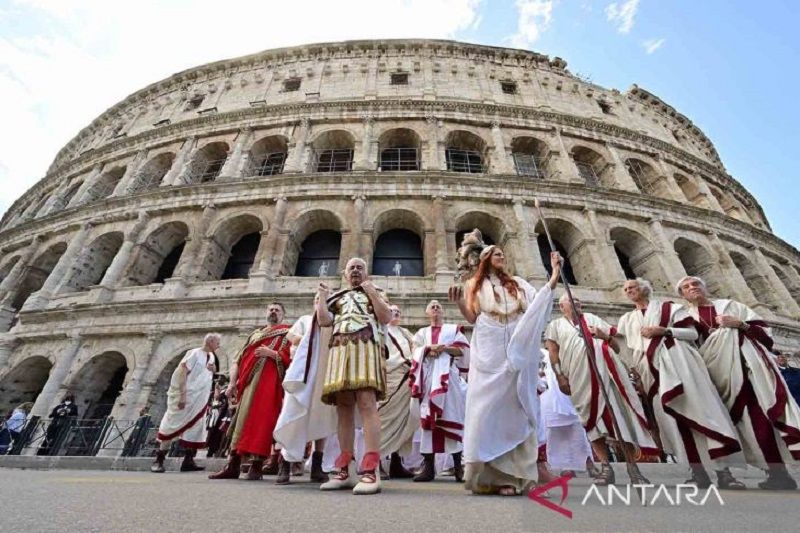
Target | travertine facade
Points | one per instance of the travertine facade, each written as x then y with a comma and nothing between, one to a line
197,200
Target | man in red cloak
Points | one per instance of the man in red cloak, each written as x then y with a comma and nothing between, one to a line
256,377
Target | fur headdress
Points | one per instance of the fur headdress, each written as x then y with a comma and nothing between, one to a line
470,254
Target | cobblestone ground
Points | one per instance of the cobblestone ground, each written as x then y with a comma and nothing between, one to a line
70,500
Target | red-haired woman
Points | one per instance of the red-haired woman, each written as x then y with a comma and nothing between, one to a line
500,434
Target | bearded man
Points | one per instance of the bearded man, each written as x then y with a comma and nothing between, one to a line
256,377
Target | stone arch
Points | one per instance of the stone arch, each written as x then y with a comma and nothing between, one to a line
493,229
531,156
333,151
592,167
325,247
157,400
24,382
68,195
159,254
399,149
791,285
729,205
7,266
691,191
232,248
398,237
207,162
37,272
756,280
698,261
93,262
466,151
267,155
105,185
152,172
98,383
579,265
638,257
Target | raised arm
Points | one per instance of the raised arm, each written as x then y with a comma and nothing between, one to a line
324,317
456,295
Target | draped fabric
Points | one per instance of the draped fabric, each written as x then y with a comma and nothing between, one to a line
692,421
611,375
259,391
436,383
188,423
750,384
502,408
399,415
304,417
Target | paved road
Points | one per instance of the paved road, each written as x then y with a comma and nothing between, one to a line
69,500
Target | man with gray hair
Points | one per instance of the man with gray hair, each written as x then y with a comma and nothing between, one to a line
441,353
736,345
693,423
187,402
577,379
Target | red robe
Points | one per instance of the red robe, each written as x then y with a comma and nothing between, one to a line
258,423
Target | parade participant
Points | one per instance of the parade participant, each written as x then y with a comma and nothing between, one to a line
577,378
304,417
217,416
500,443
736,345
399,417
355,375
441,352
187,403
255,386
692,421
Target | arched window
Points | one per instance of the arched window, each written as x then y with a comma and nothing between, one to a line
625,263
208,162
97,385
398,252
159,254
167,268
319,254
465,152
152,172
333,151
243,255
544,253
105,185
591,165
267,156
756,279
399,150
24,382
37,272
691,191
697,261
487,238
69,195
93,263
530,157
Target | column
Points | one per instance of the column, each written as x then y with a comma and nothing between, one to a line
666,175
351,241
673,268
560,166
7,345
13,282
612,271
733,281
58,276
528,255
435,159
710,198
87,184
439,212
296,160
269,265
501,162
782,297
181,165
121,259
128,180
363,154
49,396
55,198
621,178
234,165
190,258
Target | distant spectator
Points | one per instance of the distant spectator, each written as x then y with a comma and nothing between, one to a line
59,420
791,375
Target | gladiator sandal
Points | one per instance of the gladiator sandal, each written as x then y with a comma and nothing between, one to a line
606,475
188,464
778,479
271,466
231,469
255,472
726,481
428,470
370,481
458,468
699,477
396,468
284,473
345,475
158,465
297,469
317,474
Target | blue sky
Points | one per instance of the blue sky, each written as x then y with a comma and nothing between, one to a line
730,66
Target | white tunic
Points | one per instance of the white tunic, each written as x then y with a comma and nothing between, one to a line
188,423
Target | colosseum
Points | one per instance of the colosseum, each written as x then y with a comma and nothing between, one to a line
194,202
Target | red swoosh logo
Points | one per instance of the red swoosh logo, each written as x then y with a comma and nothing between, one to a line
537,493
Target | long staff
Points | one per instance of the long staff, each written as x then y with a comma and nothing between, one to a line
633,469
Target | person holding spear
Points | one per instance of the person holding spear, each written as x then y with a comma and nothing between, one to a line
502,406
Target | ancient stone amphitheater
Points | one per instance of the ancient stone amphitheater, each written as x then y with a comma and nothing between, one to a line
195,201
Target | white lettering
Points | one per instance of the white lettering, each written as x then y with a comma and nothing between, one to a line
662,489
713,489
689,497
593,490
625,499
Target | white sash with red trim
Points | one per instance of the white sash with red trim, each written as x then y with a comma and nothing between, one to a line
728,354
436,383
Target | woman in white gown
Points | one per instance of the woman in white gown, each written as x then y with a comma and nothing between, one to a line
500,442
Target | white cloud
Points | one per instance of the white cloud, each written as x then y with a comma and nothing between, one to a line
64,62
534,17
651,45
622,14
